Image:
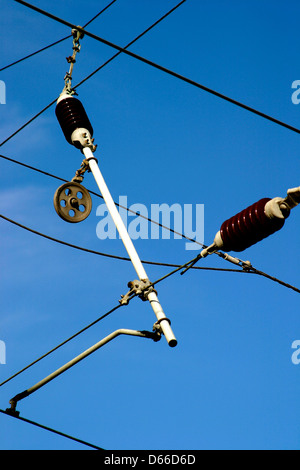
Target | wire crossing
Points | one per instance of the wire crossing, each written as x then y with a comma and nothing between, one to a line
107,255
94,72
250,270
225,256
246,269
56,42
94,348
164,69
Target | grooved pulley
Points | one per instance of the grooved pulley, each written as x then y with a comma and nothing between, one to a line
72,202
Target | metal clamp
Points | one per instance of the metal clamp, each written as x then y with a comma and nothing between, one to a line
155,334
12,410
82,138
77,35
79,175
157,325
140,288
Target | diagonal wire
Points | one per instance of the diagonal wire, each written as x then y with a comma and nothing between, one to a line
220,254
123,50
159,280
90,325
130,43
164,69
107,255
62,343
90,75
250,269
25,165
56,42
35,53
171,273
274,279
133,295
100,13
42,426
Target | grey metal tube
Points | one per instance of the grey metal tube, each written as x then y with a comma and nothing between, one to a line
68,365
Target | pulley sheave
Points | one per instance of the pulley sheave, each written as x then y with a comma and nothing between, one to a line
72,202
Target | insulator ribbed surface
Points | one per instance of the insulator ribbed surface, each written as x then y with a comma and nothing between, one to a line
249,227
71,115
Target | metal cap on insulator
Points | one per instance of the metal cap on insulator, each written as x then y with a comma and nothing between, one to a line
73,120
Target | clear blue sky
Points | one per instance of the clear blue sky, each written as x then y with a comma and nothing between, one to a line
230,383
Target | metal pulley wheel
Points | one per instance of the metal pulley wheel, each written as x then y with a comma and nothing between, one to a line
72,202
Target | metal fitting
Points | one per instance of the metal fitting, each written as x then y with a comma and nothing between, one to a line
140,288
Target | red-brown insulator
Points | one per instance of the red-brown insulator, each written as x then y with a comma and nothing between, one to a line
71,115
249,227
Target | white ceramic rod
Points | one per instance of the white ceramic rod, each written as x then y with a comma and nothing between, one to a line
152,297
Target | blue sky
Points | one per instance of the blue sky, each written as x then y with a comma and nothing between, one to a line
230,383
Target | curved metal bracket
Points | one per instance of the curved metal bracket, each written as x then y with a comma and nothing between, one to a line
155,336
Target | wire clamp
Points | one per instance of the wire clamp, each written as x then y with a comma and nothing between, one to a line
247,266
79,175
157,325
77,34
138,288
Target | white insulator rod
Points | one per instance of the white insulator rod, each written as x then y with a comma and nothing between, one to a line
152,297
115,214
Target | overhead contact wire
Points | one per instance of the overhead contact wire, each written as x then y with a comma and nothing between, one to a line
163,69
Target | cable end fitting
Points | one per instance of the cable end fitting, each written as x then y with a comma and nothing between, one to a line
78,33
12,410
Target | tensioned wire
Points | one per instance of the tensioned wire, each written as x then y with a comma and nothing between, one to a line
163,69
120,50
106,42
246,267
95,71
220,254
171,273
119,305
77,334
56,42
188,263
47,428
103,316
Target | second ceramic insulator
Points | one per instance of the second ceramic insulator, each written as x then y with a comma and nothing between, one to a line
249,227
